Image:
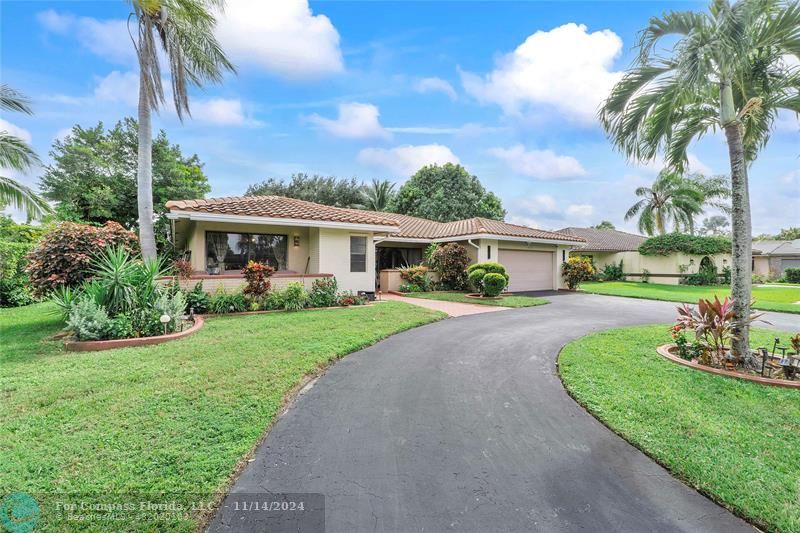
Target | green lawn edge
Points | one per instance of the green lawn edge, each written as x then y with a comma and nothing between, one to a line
512,301
625,420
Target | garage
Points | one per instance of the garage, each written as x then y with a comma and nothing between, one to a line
528,270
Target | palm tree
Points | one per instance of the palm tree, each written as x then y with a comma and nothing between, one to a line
378,195
17,155
184,31
671,198
727,69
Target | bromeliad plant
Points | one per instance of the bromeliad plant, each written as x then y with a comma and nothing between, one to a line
713,324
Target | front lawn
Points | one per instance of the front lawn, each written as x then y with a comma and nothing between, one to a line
505,301
173,418
733,440
767,298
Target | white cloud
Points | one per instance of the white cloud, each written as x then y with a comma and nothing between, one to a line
695,165
789,184
787,122
221,111
566,69
355,121
62,134
16,131
540,164
281,37
106,38
541,204
432,85
118,87
580,210
407,159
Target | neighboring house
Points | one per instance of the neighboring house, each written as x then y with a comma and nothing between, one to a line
607,246
304,240
772,258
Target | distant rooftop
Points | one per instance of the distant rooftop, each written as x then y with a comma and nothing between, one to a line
605,240
770,247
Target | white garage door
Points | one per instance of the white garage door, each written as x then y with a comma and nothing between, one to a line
529,271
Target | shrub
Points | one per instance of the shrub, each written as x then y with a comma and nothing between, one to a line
758,279
224,302
348,298
295,297
450,262
65,298
475,278
173,306
14,292
476,274
257,276
417,276
645,276
493,284
725,276
197,299
792,275
576,270
183,268
64,255
323,292
89,321
613,272
408,287
688,244
273,301
120,327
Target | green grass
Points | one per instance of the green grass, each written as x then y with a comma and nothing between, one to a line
738,442
766,298
173,418
505,301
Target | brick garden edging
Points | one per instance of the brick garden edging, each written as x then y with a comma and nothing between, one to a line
663,351
96,346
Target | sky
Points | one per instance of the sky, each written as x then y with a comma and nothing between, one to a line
377,89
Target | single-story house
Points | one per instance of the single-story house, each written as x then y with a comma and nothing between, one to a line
607,246
304,240
772,258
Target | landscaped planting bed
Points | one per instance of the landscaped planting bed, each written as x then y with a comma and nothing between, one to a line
176,418
733,440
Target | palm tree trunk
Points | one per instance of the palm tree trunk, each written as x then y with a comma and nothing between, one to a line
660,222
741,230
144,172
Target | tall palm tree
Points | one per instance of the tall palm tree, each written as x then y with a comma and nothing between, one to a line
671,198
727,69
17,155
378,195
184,31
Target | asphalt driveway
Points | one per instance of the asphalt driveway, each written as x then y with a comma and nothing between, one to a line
463,425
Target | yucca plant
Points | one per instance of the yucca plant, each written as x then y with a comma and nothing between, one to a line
115,270
65,298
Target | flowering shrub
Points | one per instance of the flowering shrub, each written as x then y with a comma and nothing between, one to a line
257,276
64,255
323,292
575,270
183,268
450,262
417,278
348,298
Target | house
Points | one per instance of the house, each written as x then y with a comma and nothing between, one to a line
304,240
607,246
772,258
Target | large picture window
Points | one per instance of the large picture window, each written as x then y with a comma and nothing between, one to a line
231,251
358,254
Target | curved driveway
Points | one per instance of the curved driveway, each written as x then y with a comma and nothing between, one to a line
463,425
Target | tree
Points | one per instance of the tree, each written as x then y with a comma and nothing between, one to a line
605,224
17,155
339,192
93,174
379,195
183,30
445,193
670,199
727,69
715,225
788,234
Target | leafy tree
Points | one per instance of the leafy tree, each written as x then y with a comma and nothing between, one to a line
727,68
93,174
605,224
379,195
715,225
17,155
669,199
339,192
182,31
788,234
445,193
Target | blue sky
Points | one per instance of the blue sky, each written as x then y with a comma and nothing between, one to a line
376,89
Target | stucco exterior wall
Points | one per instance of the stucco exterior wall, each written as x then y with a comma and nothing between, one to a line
232,284
761,266
334,258
663,269
559,254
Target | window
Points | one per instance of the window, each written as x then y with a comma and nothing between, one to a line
231,251
563,255
489,251
358,254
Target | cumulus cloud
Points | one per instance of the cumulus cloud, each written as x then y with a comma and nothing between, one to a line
220,111
541,204
118,87
355,121
105,38
407,159
283,38
539,164
16,131
580,210
433,85
567,70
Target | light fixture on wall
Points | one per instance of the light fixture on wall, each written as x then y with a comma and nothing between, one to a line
296,241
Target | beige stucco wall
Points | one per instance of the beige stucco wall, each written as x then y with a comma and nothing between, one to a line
663,269
230,284
334,258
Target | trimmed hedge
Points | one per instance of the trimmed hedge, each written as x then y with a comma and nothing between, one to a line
792,275
688,244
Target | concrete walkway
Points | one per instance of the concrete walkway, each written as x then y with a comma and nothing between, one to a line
464,425
451,308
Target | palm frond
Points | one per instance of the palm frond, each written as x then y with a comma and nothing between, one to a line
15,153
19,196
12,100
